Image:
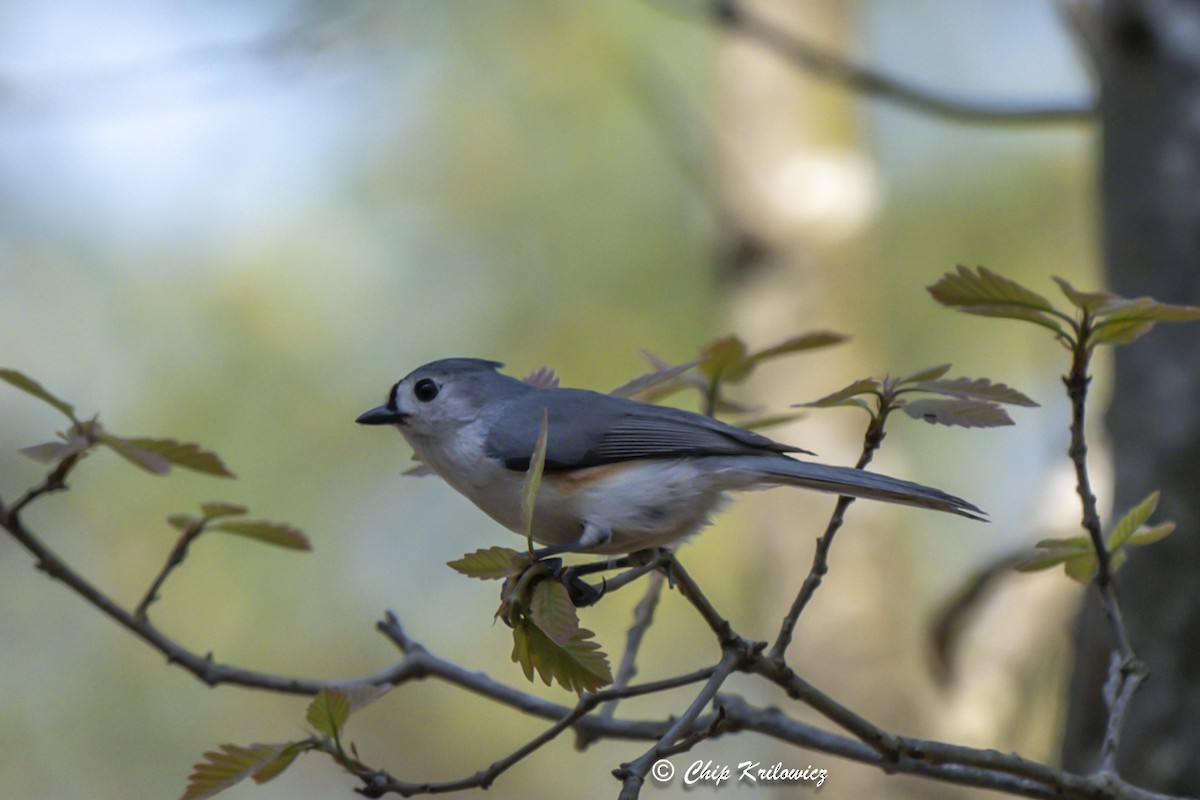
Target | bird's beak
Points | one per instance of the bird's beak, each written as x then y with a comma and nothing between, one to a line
381,415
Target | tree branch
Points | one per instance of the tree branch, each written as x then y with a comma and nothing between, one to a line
1126,672
948,763
814,60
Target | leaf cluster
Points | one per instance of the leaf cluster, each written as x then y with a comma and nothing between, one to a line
1093,319
965,402
155,456
722,362
1078,556
327,714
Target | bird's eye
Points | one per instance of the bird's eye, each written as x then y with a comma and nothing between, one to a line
425,390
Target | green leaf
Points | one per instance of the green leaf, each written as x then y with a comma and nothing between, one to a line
1150,535
328,711
490,564
231,765
552,610
1122,332
184,454
847,395
1081,567
978,389
578,665
54,452
931,374
1124,320
533,479
796,344
273,768
1052,552
215,510
30,386
985,293
1132,521
963,413
276,533
725,360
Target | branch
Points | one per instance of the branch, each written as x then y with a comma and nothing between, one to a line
820,565
1126,672
732,16
643,616
949,763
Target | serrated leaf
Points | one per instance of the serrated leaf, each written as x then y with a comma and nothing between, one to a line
182,522
846,395
1150,535
54,452
328,711
488,564
931,374
724,359
660,380
1132,520
552,610
215,510
229,766
183,454
796,344
578,666
533,478
977,389
985,293
963,413
28,385
276,533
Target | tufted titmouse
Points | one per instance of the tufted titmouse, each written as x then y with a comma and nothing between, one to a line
620,475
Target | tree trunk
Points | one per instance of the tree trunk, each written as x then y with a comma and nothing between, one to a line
1150,114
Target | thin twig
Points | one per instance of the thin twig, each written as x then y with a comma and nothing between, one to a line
821,63
949,763
820,565
1126,672
643,616
633,774
178,554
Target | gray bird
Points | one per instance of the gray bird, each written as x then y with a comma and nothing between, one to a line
620,475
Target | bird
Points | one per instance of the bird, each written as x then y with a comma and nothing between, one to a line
620,475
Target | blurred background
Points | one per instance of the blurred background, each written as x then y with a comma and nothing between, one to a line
240,223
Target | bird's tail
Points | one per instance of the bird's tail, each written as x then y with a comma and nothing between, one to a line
786,471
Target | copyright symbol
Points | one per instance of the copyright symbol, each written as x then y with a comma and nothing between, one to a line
662,771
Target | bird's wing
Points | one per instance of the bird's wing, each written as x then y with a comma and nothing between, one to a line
588,429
